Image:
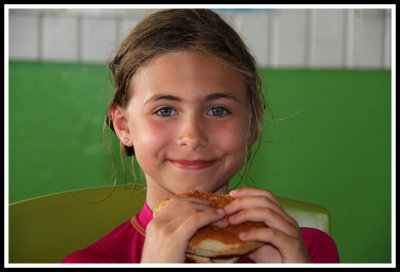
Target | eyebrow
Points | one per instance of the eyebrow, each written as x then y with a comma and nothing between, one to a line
216,96
211,97
158,97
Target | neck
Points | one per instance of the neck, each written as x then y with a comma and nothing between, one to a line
156,193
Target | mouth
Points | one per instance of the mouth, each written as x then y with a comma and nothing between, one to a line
192,165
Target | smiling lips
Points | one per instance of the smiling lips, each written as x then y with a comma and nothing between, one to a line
192,165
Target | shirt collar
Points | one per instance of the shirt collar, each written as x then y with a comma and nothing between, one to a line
142,219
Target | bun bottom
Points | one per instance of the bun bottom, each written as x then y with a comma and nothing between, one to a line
224,243
202,259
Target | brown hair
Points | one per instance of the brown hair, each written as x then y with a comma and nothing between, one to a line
179,29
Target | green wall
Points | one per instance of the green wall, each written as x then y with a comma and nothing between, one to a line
330,143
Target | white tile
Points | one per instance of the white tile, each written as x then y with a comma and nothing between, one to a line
368,38
23,37
273,39
254,28
59,38
387,42
98,38
292,38
127,24
329,38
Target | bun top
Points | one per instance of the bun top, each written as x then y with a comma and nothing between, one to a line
216,200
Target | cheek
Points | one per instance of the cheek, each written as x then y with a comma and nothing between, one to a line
148,139
232,138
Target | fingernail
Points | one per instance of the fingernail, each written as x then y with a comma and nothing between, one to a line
220,211
222,224
233,192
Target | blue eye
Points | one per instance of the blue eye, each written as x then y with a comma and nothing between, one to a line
218,111
166,112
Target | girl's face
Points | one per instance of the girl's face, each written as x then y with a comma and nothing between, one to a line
189,122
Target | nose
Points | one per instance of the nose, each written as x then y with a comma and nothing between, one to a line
192,133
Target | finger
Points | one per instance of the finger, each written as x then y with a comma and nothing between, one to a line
197,204
257,201
251,201
291,248
223,223
249,191
195,221
189,210
269,216
266,235
176,206
269,235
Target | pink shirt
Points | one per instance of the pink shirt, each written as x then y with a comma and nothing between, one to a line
125,244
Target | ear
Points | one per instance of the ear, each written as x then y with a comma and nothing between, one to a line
120,123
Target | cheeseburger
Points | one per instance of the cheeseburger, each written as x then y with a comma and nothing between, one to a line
217,245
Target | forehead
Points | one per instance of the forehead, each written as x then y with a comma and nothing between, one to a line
190,70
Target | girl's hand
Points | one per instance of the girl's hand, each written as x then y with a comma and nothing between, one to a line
168,234
282,237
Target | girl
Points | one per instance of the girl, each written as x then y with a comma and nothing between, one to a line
188,105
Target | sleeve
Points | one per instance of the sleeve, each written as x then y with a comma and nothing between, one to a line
121,245
320,246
